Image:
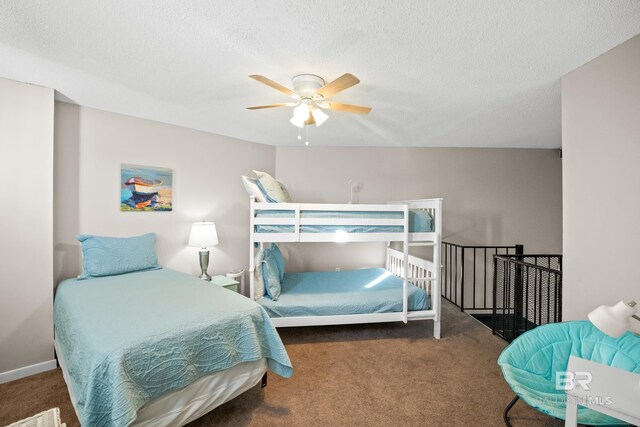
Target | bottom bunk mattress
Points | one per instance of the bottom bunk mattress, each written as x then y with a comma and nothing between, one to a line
129,339
371,290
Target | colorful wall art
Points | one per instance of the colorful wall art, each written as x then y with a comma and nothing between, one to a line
145,188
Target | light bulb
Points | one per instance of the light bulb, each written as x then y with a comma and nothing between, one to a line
299,137
297,121
306,143
301,111
319,116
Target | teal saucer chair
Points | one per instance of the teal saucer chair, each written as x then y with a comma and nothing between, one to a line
529,364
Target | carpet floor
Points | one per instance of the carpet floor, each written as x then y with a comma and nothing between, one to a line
369,375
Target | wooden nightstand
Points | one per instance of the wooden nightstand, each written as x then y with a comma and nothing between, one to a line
225,282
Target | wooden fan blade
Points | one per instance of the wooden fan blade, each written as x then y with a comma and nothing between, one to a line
338,85
348,108
260,107
310,120
276,86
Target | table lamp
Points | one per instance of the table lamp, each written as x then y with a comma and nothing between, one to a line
203,235
616,320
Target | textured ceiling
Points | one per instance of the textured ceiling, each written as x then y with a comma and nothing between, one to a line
436,73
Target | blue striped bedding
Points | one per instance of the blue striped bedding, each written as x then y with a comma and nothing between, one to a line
372,290
130,338
419,221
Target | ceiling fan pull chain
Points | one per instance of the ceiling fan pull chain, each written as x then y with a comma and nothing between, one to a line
307,141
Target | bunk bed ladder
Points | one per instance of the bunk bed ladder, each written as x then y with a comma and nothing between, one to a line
437,261
435,284
405,258
422,244
252,261
296,228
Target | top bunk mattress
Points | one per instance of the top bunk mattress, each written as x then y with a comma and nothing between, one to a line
419,221
130,338
371,290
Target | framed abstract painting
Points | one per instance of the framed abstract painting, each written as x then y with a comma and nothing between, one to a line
145,188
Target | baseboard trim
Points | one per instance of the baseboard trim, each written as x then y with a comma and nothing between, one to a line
16,374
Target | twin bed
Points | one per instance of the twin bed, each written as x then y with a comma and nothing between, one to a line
159,347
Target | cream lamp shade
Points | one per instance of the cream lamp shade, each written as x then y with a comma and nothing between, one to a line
614,321
203,234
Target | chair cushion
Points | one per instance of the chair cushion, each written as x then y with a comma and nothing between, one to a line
529,364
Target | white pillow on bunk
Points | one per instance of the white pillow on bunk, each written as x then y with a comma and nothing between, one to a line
287,196
272,188
258,282
251,185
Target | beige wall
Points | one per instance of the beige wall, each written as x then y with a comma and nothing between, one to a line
601,145
90,146
491,196
26,283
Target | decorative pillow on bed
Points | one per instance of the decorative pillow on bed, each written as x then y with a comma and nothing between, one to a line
271,188
271,276
275,251
110,256
287,196
251,185
258,282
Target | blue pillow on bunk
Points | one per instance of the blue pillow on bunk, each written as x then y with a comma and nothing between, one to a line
109,256
275,251
271,276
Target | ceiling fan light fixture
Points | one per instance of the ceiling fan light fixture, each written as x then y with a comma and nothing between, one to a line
302,111
310,92
319,116
298,121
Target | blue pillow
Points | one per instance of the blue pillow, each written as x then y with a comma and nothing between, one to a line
271,276
110,256
275,250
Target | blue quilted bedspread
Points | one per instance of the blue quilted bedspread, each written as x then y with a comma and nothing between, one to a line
127,339
419,221
327,293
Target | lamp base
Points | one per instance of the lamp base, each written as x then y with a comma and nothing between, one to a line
204,265
205,276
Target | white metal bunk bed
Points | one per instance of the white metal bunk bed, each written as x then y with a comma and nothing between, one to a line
295,226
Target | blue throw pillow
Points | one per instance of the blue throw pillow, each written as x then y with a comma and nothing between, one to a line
275,250
271,276
110,256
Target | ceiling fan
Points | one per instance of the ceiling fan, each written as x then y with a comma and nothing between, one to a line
310,93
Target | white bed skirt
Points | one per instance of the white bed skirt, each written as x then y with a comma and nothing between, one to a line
180,407
190,403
